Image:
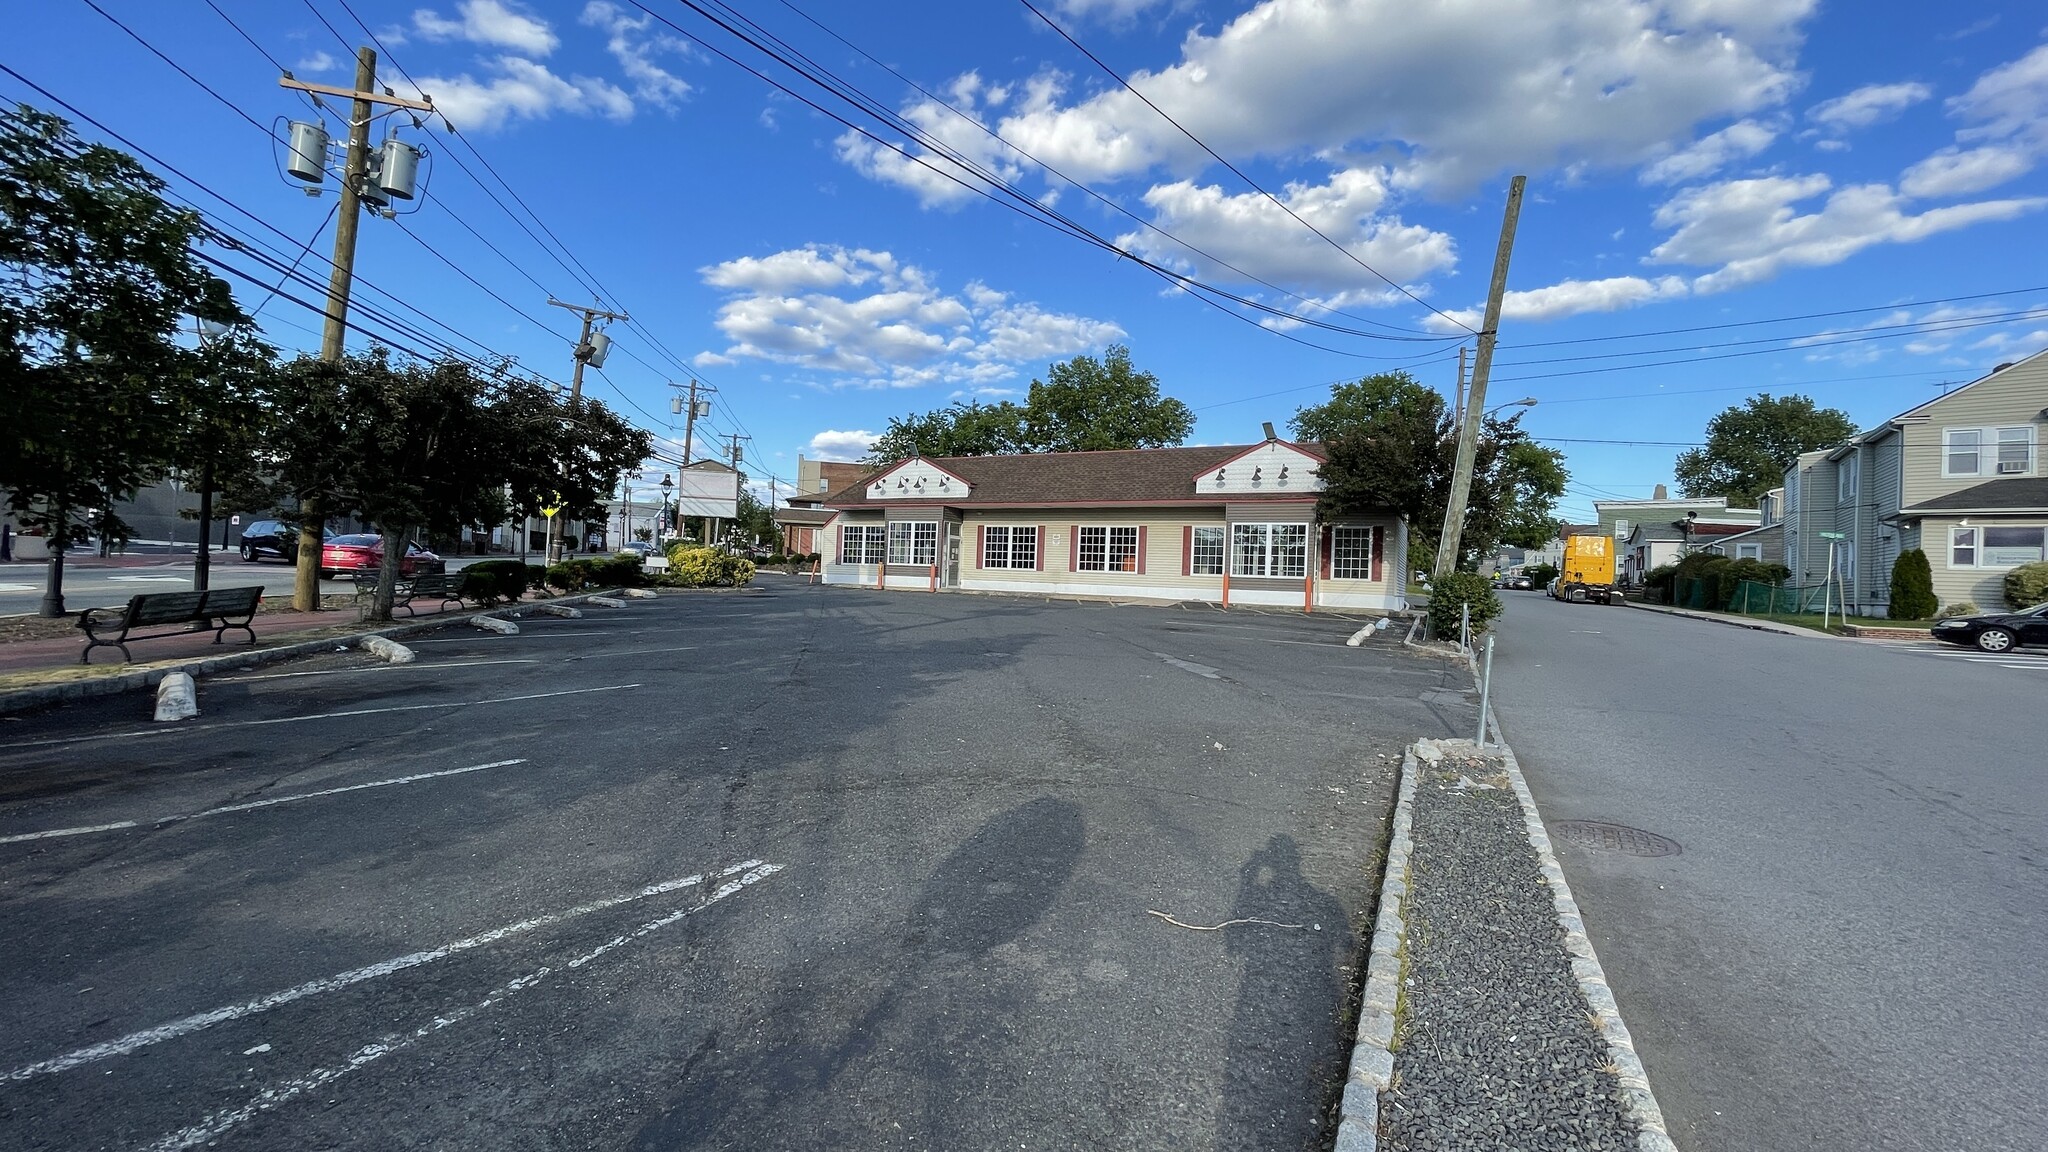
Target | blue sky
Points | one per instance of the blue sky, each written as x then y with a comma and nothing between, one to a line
1702,173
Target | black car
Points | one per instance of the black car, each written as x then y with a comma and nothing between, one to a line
274,539
1997,631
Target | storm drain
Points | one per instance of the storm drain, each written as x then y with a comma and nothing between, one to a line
1604,837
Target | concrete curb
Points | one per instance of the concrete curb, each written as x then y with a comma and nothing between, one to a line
1372,1056
145,679
1713,618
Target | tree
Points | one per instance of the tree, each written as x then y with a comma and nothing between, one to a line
99,276
225,426
1912,595
1749,447
1084,405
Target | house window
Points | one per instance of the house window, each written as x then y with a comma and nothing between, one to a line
1621,530
1108,550
1206,556
914,542
2011,547
1006,547
1845,562
1960,452
1962,547
1749,551
860,544
1846,475
1350,553
1269,550
2015,451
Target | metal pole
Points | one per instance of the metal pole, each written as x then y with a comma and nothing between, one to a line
1485,690
1475,396
1465,625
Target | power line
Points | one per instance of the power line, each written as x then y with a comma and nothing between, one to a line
1782,319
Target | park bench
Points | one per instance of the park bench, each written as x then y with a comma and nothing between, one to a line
434,586
116,627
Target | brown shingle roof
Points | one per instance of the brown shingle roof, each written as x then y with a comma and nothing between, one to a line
1127,476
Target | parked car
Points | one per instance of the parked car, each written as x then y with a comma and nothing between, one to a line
365,552
1515,580
1997,631
279,539
640,548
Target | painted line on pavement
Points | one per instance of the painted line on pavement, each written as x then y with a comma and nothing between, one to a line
219,1123
253,804
357,671
192,729
190,1024
629,652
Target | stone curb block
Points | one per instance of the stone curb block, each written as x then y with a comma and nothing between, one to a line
606,602
41,696
177,698
641,594
385,648
494,624
1372,1056
562,610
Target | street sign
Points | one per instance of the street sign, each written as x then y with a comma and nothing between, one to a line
1833,536
235,519
549,512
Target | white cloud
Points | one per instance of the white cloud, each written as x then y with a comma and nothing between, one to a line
936,177
833,444
525,90
2008,102
1111,11
316,64
1570,298
1710,154
870,321
634,44
1958,173
1751,229
493,22
1868,105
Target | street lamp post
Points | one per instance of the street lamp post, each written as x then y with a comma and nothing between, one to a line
673,519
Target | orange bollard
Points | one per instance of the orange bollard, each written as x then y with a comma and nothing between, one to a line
1226,586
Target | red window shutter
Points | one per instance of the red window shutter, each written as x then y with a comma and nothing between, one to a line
980,545
1378,534
1073,547
1141,549
1187,549
841,557
1038,548
1324,544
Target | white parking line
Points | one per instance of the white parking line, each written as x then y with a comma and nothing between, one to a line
253,804
212,1127
189,730
370,668
190,1024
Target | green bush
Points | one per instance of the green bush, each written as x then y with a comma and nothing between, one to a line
1540,575
775,559
1959,608
1459,588
2026,585
569,575
1728,577
537,578
1912,587
696,566
1658,580
492,582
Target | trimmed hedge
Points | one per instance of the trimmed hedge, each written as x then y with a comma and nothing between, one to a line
1459,588
1912,587
493,582
596,572
2026,585
696,566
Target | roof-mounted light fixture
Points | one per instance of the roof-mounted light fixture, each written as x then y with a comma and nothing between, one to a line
1283,471
1219,475
1256,473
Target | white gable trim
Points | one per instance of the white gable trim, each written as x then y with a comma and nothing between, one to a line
1281,467
919,479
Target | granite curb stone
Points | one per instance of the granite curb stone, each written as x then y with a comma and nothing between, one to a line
1372,1055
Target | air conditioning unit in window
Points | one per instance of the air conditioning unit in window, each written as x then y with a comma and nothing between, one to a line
2011,467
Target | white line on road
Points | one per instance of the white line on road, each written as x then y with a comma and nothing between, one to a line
629,652
193,1023
1202,670
214,1126
356,671
161,820
190,729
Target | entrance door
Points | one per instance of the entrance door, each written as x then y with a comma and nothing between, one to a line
952,573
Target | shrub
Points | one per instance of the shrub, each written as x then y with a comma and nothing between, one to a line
775,559
2026,585
1658,580
1460,588
493,582
1540,574
537,577
695,566
1912,587
569,575
1960,608
1729,577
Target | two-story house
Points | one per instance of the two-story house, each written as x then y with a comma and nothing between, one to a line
1959,477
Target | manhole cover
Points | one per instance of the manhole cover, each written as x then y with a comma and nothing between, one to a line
1604,837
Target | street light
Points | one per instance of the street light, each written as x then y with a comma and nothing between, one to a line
1524,402
668,485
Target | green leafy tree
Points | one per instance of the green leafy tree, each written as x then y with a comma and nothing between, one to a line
1912,587
1083,405
97,277
1749,447
225,424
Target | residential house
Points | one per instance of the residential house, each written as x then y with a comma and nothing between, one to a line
1621,518
1231,525
815,480
1959,476
1765,543
1655,543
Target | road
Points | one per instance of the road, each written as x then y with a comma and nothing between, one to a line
796,868
1847,951
86,586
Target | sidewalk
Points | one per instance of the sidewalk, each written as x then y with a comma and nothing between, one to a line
1731,621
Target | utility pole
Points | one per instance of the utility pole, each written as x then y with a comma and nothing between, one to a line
1458,410
732,456
591,348
695,409
354,173
1475,399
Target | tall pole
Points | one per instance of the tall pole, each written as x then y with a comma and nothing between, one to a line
1475,398
1459,409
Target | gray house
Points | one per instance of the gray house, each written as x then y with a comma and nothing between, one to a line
1959,476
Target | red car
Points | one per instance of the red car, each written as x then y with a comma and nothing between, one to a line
365,553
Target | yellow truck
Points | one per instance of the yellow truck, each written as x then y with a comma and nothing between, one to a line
1588,570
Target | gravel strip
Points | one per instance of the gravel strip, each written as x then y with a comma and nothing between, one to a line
1497,1047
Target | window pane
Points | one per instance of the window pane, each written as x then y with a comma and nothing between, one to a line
995,547
2015,450
2011,547
1023,547
1123,549
1248,550
1351,553
1207,559
1962,452
924,542
1963,548
1094,554
1290,550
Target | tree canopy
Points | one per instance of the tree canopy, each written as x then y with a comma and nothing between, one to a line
1083,405
1392,446
1750,445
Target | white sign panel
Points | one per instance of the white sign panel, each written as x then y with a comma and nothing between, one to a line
708,493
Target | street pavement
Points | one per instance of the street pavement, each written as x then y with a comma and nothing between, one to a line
89,584
789,868
1846,951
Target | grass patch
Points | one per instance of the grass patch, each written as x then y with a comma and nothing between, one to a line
1835,620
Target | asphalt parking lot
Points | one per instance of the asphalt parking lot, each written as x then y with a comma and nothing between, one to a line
791,867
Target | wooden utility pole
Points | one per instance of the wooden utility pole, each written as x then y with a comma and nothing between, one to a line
690,420
585,353
333,334
1458,410
1475,398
